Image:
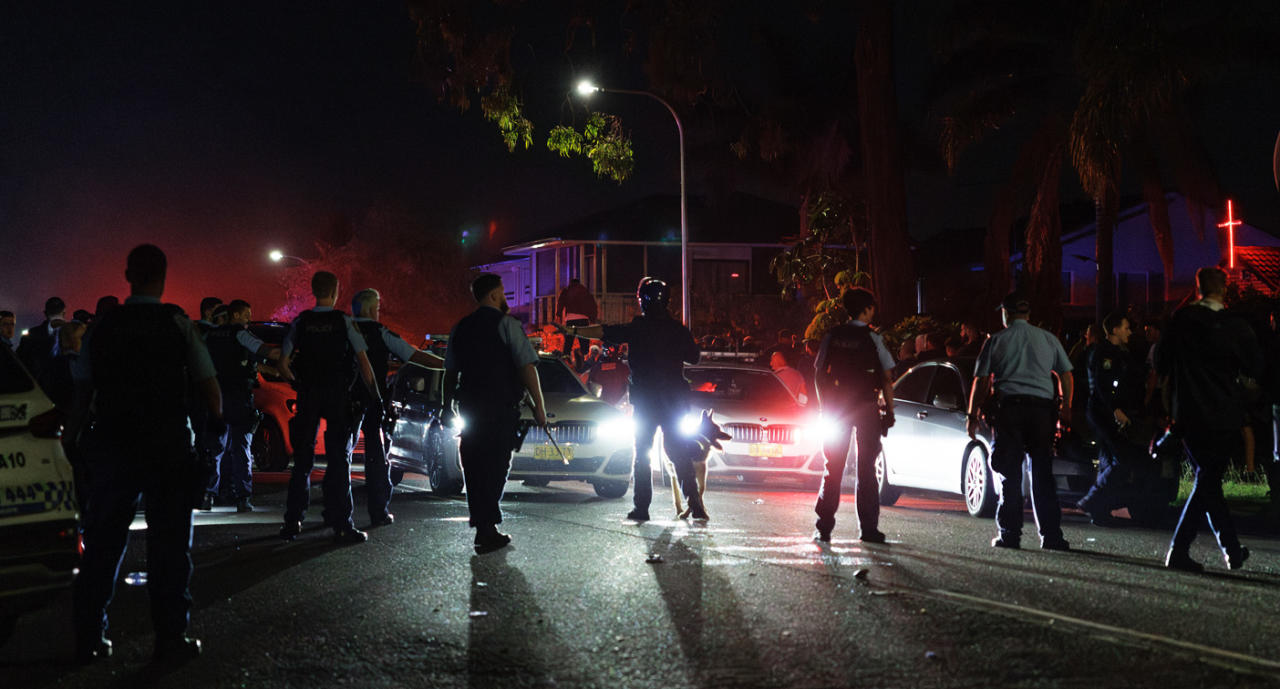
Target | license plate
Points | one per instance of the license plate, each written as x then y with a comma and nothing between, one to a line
764,450
548,452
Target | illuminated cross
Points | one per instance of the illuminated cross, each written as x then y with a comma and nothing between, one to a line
1230,224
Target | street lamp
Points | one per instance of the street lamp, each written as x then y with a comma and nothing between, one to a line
277,256
585,89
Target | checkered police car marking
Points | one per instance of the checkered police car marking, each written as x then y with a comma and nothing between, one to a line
32,498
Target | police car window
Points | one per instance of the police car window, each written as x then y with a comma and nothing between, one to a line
711,384
13,378
914,387
556,378
948,391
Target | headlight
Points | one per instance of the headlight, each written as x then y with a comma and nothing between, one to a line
617,429
459,423
821,429
689,424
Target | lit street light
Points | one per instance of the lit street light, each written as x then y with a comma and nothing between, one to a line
277,256
586,88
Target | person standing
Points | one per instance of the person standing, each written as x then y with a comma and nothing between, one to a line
56,380
793,379
1199,359
207,306
138,365
8,322
852,374
330,355
575,305
488,368
383,344
1018,364
35,349
659,346
236,353
1115,398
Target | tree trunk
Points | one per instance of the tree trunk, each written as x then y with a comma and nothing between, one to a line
1044,248
891,266
1104,211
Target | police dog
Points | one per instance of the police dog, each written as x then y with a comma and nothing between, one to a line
707,435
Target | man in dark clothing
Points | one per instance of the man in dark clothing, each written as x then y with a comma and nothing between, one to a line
933,348
972,337
35,350
851,376
659,347
1115,400
236,353
611,373
8,322
576,306
56,381
1199,359
138,366
488,368
331,353
783,344
207,306
383,344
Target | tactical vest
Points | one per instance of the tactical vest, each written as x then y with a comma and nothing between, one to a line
237,367
487,375
853,362
379,354
138,357
324,357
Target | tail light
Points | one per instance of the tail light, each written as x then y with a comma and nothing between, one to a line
47,425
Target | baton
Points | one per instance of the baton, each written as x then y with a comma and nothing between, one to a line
546,428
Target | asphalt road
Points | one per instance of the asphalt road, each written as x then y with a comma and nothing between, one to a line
582,599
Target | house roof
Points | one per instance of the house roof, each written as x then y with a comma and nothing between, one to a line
1261,267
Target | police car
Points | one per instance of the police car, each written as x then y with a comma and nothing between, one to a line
39,540
592,440
929,447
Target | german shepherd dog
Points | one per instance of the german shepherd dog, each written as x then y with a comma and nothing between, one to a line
706,436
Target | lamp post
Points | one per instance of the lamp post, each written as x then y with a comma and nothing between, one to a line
277,256
586,88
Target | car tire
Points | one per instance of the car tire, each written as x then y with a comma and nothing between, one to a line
397,475
889,494
268,447
611,489
444,472
977,484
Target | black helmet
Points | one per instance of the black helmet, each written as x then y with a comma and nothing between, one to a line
653,295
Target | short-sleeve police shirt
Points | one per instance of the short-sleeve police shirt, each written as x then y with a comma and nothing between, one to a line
511,334
353,336
1023,357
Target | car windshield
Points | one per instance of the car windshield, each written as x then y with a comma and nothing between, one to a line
761,387
13,378
555,378
268,332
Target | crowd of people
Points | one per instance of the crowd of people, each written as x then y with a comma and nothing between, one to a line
160,408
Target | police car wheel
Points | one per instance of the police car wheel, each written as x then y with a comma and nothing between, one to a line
977,485
889,494
268,447
611,489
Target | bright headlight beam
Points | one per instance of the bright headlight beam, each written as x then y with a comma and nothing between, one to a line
689,424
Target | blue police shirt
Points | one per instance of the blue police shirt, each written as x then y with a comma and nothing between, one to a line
353,336
399,348
1022,357
512,335
199,365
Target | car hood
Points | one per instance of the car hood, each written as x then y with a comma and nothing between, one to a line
564,407
746,411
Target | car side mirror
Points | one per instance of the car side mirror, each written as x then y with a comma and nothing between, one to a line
595,388
946,401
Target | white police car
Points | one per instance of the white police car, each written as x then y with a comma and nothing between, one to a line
39,540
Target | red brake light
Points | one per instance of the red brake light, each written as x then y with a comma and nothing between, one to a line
47,425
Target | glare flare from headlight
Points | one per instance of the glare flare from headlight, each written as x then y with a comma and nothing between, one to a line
689,424
822,429
618,429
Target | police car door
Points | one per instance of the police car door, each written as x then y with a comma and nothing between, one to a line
907,442
944,427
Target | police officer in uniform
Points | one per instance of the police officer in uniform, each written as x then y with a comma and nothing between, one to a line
138,367
852,374
236,353
1021,359
659,347
330,353
488,368
383,344
1199,359
207,307
1115,397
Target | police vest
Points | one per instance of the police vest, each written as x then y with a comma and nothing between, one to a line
379,353
138,357
853,363
324,355
237,367
487,375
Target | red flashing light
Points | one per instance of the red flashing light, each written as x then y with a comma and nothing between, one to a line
708,386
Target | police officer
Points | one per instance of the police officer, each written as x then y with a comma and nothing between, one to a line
659,346
1021,359
207,307
1115,398
8,322
488,368
138,366
36,348
330,353
236,353
1199,359
852,374
383,344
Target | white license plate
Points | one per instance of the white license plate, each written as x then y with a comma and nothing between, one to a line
548,452
764,450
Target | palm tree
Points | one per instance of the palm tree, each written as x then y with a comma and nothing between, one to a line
1101,83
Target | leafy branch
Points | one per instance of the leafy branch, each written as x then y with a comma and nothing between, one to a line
602,140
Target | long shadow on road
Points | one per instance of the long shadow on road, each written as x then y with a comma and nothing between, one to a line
511,641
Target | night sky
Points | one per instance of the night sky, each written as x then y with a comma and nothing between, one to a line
221,130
